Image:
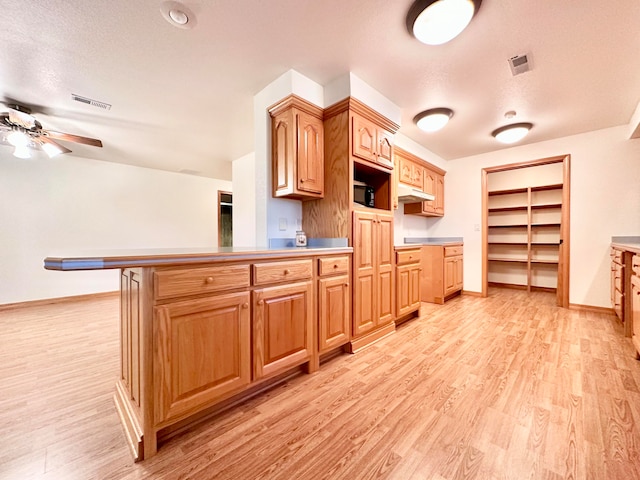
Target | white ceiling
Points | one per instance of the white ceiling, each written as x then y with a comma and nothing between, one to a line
183,99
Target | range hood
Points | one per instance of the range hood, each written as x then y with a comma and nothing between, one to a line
412,195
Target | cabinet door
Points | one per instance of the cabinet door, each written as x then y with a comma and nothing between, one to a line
449,275
283,138
384,150
439,201
459,273
429,186
203,352
310,151
635,312
418,176
333,312
414,287
364,272
130,329
364,138
406,171
282,327
384,261
452,274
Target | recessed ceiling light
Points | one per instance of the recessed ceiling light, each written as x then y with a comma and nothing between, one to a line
435,22
434,119
177,14
512,133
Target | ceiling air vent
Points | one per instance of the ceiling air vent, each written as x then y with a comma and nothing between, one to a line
519,64
88,101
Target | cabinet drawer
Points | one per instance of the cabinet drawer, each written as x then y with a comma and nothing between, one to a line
173,283
265,273
332,266
452,251
408,256
636,264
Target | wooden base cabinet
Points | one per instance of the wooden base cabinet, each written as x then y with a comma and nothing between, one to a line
195,337
203,352
334,303
617,282
282,327
407,281
442,272
373,271
635,302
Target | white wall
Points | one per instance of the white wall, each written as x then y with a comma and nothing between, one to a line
71,205
243,173
605,201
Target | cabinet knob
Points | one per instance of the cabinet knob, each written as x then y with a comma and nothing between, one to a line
287,271
209,280
335,265
245,305
346,285
260,302
410,257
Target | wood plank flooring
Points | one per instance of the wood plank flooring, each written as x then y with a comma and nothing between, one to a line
507,387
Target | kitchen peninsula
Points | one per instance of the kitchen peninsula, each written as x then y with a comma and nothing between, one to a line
202,329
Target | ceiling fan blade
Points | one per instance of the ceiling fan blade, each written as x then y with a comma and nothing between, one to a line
45,140
73,138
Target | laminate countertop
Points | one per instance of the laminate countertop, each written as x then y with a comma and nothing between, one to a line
420,241
103,260
629,244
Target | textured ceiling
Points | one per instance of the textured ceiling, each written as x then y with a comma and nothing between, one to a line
183,99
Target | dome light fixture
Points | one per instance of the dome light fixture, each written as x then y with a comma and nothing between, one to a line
435,22
433,120
512,133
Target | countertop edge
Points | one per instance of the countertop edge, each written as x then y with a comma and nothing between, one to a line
629,247
69,263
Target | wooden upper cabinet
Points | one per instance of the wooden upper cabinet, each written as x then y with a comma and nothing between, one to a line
372,142
411,173
297,149
420,174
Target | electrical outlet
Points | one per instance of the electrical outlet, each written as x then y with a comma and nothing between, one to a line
282,224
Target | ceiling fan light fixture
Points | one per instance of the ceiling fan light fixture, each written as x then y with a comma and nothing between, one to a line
512,133
18,138
22,152
435,22
433,119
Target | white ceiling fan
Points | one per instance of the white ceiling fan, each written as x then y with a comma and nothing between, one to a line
24,131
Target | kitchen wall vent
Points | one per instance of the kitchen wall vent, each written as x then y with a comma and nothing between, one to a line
519,64
88,101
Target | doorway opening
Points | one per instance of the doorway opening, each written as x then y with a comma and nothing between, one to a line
525,226
225,219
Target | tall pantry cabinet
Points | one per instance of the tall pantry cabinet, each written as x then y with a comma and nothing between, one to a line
359,150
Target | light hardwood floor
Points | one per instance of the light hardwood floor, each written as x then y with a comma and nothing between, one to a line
507,387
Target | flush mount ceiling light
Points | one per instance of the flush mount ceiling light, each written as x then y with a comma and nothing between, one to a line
435,22
434,119
178,15
512,133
